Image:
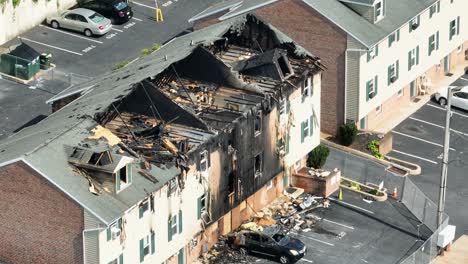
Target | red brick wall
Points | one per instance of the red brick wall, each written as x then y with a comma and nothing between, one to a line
39,224
321,38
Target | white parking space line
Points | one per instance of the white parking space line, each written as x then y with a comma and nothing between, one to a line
314,239
442,108
439,126
50,46
413,156
352,205
70,34
420,139
466,80
307,260
117,29
137,19
140,4
333,222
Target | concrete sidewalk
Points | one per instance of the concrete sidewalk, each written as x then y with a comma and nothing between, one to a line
458,253
404,112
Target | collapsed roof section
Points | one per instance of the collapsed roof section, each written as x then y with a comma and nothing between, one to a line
158,110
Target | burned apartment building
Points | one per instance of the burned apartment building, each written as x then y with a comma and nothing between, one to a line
151,163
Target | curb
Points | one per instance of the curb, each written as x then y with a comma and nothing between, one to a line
416,171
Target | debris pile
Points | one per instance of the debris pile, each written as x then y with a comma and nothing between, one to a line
223,253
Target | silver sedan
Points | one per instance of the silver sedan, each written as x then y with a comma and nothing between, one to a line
83,20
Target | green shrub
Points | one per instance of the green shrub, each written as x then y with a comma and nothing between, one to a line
379,156
317,157
120,65
347,134
373,147
356,186
145,52
156,46
16,3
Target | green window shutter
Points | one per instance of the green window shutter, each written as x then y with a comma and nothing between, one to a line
450,30
140,211
377,50
438,6
180,221
108,234
409,60
169,229
397,70
398,35
129,173
287,143
117,180
120,223
410,27
384,7
142,251
367,90
311,125
419,20
417,55
389,72
429,46
199,208
152,243
302,132
437,40
121,259
368,56
390,40
376,84
458,25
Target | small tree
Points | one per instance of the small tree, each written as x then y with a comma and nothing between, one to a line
317,157
347,134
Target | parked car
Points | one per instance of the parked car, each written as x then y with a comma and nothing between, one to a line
283,247
82,20
459,98
116,10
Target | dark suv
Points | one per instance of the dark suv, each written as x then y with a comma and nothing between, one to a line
116,10
280,246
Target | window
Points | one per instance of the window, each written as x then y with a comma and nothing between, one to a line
143,207
304,130
394,37
258,123
204,162
400,93
393,72
174,224
70,17
433,42
371,88
378,109
258,163
202,204
270,185
435,8
172,186
281,106
147,244
372,53
114,230
123,177
414,23
462,95
118,260
284,66
413,57
81,19
454,28
379,11
306,88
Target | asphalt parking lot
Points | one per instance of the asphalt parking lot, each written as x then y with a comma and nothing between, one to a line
353,231
419,139
75,53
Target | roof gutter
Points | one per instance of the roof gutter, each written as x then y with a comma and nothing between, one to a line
229,15
198,17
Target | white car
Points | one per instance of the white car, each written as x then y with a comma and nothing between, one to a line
459,98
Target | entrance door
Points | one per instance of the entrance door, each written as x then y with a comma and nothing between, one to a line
447,64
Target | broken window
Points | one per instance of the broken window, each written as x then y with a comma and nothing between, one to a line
282,106
232,183
284,66
123,175
172,186
306,88
204,162
258,123
143,207
233,107
258,165
100,159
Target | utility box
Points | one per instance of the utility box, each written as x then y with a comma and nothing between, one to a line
321,183
446,236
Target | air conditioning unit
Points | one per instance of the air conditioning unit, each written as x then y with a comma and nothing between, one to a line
414,26
392,79
115,232
371,95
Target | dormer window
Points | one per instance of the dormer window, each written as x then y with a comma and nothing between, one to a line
379,11
123,177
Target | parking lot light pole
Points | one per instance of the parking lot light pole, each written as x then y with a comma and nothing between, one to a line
443,175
